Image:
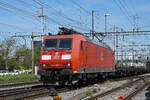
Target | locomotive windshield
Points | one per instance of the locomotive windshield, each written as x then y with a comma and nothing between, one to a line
50,44
65,44
58,44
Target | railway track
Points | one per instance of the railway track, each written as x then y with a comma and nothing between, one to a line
136,84
27,92
4,86
140,88
20,93
44,92
40,91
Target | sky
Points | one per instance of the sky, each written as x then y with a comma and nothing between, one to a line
22,15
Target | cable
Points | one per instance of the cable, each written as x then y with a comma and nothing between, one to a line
26,12
56,22
25,3
59,13
18,15
81,7
121,9
13,26
126,8
146,20
6,5
14,10
59,2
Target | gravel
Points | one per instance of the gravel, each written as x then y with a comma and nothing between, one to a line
102,87
126,91
80,93
143,95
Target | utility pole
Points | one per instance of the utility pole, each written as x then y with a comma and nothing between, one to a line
133,54
25,42
121,55
135,23
32,52
114,29
93,23
117,44
105,19
42,16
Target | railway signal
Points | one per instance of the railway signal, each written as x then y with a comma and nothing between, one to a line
54,94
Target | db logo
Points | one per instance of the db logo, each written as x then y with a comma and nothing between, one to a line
102,57
56,56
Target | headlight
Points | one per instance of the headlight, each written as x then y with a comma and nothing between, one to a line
67,64
46,57
66,57
45,65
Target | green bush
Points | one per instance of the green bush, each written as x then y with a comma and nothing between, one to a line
18,78
88,93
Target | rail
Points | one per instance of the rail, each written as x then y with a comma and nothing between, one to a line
137,91
18,84
96,96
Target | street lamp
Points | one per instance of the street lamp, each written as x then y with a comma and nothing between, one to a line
105,16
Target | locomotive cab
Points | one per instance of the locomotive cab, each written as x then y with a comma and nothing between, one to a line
56,53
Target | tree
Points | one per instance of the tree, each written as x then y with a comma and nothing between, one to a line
2,61
7,48
13,64
16,57
23,55
37,56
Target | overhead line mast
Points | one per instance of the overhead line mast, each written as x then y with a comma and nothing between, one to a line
42,16
93,23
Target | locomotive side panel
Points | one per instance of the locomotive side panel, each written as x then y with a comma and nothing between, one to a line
90,50
106,58
96,59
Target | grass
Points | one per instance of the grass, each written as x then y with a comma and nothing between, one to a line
6,79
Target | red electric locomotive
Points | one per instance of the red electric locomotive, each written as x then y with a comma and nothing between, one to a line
74,57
